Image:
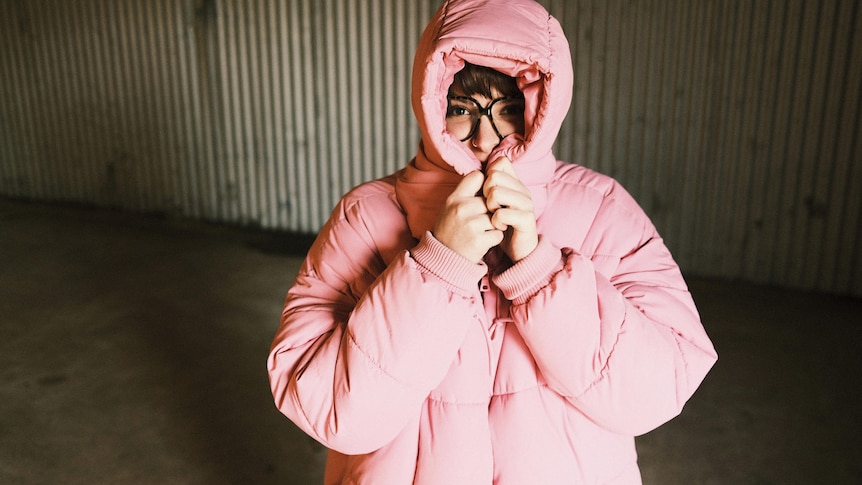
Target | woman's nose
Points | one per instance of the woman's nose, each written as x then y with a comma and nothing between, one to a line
485,138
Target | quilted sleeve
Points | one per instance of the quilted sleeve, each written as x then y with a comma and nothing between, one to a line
362,343
617,332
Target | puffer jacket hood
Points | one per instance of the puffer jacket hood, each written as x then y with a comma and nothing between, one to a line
533,49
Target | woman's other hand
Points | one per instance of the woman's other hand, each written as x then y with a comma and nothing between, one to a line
511,205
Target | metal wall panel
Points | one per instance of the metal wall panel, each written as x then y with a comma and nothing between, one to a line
736,124
258,112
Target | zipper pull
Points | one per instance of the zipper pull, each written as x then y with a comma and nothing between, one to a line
484,284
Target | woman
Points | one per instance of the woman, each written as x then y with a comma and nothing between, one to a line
487,314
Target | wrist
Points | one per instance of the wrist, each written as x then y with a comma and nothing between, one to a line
445,263
524,278
524,249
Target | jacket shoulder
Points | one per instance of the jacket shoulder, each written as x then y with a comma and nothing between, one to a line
380,191
572,174
368,222
593,213
570,179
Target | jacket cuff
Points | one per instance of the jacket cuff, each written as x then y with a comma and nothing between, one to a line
436,258
529,275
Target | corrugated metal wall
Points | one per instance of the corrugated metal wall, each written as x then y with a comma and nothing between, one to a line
736,124
255,112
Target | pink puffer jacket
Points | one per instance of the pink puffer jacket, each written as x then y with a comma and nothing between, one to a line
414,365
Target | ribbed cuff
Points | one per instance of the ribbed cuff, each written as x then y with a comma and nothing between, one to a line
530,274
446,264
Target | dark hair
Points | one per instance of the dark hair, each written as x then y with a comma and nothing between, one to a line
475,79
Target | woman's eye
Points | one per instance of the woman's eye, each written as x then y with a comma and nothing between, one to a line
457,111
512,110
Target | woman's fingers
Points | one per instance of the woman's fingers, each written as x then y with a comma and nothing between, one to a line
503,188
511,205
464,224
469,186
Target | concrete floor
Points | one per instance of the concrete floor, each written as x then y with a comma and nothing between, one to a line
132,351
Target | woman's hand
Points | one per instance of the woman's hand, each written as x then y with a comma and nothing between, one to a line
511,205
464,224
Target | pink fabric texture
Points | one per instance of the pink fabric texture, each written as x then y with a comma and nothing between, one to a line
393,354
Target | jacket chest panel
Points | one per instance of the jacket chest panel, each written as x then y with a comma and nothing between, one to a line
493,358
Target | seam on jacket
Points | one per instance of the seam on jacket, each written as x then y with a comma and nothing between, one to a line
345,289
350,205
648,230
459,403
376,364
604,193
443,16
676,371
603,373
538,385
352,199
551,54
